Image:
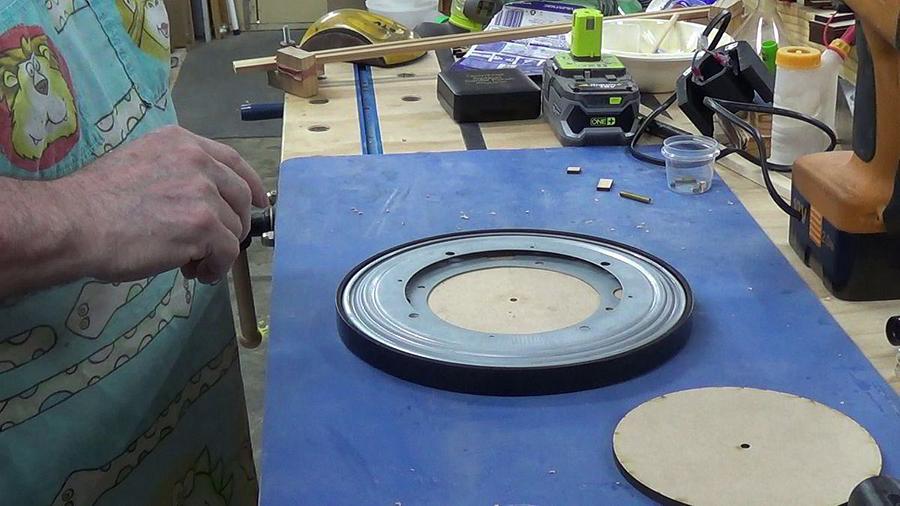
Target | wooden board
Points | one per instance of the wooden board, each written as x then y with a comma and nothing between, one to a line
514,300
339,115
408,107
744,446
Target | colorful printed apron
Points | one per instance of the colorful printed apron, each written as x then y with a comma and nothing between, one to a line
110,394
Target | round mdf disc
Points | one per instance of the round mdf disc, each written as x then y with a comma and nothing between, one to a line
743,446
513,300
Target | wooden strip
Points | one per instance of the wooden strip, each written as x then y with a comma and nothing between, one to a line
449,41
359,53
263,63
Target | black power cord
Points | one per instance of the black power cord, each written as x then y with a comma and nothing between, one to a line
647,124
778,111
737,106
632,146
737,121
725,108
720,22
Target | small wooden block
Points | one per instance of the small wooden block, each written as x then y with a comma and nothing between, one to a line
289,84
294,58
573,170
296,72
604,185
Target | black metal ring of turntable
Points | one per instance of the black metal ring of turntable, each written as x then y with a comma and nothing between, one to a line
375,323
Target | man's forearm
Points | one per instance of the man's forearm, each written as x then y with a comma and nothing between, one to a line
41,238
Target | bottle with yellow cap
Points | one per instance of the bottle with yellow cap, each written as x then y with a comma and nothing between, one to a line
806,82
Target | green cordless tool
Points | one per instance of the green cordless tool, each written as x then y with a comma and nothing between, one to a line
472,15
589,98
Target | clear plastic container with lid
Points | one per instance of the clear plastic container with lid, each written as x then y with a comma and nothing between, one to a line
689,163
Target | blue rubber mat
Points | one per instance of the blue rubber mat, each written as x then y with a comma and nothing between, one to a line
340,432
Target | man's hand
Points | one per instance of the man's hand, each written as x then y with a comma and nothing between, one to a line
168,200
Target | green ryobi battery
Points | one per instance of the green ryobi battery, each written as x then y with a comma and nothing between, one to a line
589,98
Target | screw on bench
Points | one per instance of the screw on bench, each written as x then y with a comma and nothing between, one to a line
286,37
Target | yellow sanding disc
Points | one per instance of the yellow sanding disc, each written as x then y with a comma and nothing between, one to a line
743,446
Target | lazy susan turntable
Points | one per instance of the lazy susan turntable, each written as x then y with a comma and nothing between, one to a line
514,312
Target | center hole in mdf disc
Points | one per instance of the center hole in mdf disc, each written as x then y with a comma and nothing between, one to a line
513,300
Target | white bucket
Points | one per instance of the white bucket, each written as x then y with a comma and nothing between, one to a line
409,13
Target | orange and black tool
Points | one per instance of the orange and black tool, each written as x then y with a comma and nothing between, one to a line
849,201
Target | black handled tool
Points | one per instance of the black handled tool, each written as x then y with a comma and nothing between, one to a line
893,330
876,491
260,112
262,225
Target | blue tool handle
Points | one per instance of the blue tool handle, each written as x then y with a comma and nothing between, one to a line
259,112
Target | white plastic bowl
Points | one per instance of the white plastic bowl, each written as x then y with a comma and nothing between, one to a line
632,40
409,13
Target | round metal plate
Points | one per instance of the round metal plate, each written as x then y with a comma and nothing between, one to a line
514,312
